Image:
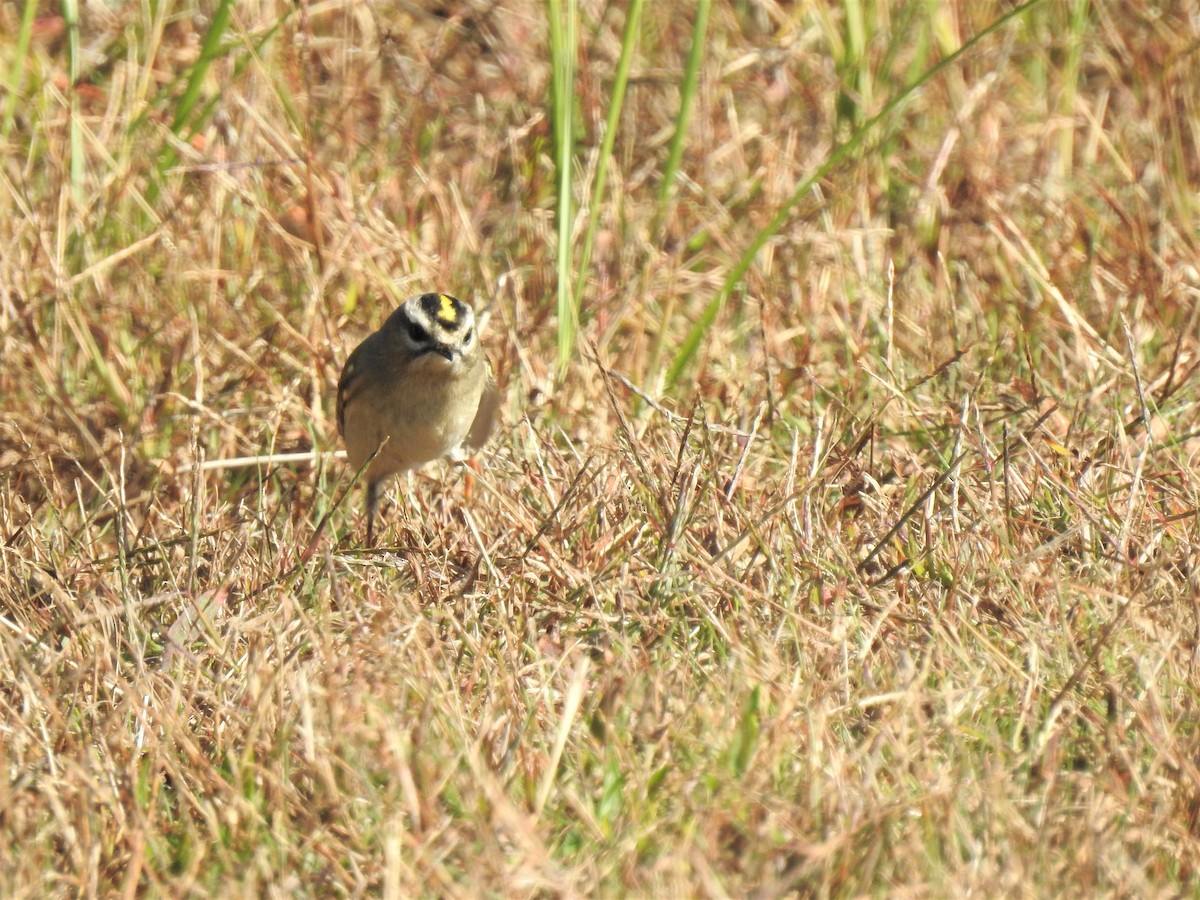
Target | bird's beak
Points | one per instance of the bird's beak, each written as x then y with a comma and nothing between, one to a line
443,350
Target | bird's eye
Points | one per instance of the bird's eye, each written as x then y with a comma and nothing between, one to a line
467,337
418,334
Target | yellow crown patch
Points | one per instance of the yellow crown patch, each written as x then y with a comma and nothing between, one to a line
447,312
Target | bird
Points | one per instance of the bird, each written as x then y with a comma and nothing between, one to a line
418,389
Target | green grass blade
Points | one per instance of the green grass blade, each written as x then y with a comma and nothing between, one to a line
71,16
854,99
16,75
211,50
633,18
687,95
1080,10
562,88
745,736
852,145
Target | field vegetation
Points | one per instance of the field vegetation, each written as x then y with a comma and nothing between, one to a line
840,536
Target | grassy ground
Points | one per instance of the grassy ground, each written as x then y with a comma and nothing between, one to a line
889,586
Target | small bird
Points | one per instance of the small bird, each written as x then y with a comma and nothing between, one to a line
416,390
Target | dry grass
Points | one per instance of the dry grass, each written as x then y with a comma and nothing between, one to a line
895,591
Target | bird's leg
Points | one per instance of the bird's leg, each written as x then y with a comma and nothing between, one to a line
472,467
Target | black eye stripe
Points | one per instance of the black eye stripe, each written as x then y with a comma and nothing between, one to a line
434,319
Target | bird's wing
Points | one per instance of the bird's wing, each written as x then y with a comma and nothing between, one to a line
485,416
345,388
